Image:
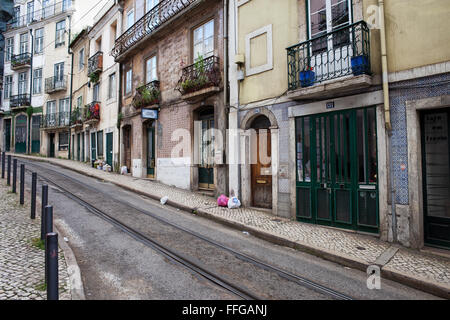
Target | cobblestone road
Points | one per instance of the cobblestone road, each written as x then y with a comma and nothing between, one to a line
21,262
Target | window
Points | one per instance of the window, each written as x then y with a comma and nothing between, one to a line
66,5
60,30
8,86
81,59
23,43
96,93
59,71
204,40
51,107
100,143
64,111
112,86
47,9
16,19
9,48
150,68
51,113
128,81
23,83
37,81
63,141
30,11
79,102
150,4
130,19
39,40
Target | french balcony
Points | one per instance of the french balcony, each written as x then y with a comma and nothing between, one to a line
76,119
55,120
55,84
19,61
331,64
164,11
19,101
147,95
92,113
95,64
200,79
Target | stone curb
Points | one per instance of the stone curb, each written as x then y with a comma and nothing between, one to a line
408,280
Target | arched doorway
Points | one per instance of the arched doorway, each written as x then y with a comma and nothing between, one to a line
261,165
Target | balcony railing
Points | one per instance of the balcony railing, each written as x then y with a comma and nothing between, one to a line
54,84
92,112
55,120
147,95
343,52
20,100
95,63
149,23
76,117
200,75
38,15
20,60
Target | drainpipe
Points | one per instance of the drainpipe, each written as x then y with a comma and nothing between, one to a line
387,114
31,92
71,85
225,85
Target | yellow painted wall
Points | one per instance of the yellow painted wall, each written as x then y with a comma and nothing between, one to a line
255,14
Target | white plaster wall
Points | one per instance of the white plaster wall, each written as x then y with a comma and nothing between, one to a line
175,171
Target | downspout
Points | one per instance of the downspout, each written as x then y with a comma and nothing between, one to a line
119,104
225,86
387,114
31,91
71,86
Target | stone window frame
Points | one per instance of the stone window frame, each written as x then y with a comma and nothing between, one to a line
241,2
261,68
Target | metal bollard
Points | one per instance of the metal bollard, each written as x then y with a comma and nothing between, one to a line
48,228
33,195
3,164
8,178
51,254
22,184
14,182
44,203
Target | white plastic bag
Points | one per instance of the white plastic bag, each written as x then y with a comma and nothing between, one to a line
164,200
234,203
123,170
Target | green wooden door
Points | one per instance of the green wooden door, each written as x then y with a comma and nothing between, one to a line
78,147
337,169
8,135
206,167
151,152
82,147
109,148
93,146
35,134
20,134
52,145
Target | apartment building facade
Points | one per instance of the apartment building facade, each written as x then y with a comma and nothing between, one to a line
172,61
310,75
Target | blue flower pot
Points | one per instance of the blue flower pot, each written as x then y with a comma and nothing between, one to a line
360,65
307,78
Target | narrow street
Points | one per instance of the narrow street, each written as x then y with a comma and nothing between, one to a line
117,264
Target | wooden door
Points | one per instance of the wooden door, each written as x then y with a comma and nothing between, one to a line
127,147
262,171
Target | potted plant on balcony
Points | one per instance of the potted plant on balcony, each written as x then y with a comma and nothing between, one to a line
94,77
360,64
307,77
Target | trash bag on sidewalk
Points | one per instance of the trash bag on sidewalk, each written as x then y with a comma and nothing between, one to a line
234,203
164,200
222,201
123,170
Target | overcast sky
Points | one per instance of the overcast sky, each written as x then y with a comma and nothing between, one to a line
86,10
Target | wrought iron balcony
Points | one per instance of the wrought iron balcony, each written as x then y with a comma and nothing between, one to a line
20,101
343,52
76,117
95,63
54,84
147,95
149,23
202,74
92,113
55,120
22,60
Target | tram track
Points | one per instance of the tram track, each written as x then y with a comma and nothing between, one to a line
175,256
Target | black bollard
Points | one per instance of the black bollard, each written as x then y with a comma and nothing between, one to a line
8,178
33,195
51,254
14,182
22,184
3,164
48,228
44,203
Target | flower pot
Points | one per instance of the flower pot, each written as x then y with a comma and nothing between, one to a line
307,78
360,65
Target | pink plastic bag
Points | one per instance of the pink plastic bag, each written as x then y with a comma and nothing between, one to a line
222,201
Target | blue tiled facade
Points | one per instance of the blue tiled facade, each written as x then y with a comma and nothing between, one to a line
400,93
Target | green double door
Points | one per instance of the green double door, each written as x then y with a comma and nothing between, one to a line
20,134
109,148
336,158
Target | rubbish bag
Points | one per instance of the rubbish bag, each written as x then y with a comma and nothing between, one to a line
123,170
234,203
164,200
222,201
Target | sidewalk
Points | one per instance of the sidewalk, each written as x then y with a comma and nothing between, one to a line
21,261
423,271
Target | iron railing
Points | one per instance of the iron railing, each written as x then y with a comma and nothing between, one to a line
147,95
54,84
342,52
149,23
20,100
76,117
95,63
20,60
92,112
40,14
202,74
55,120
